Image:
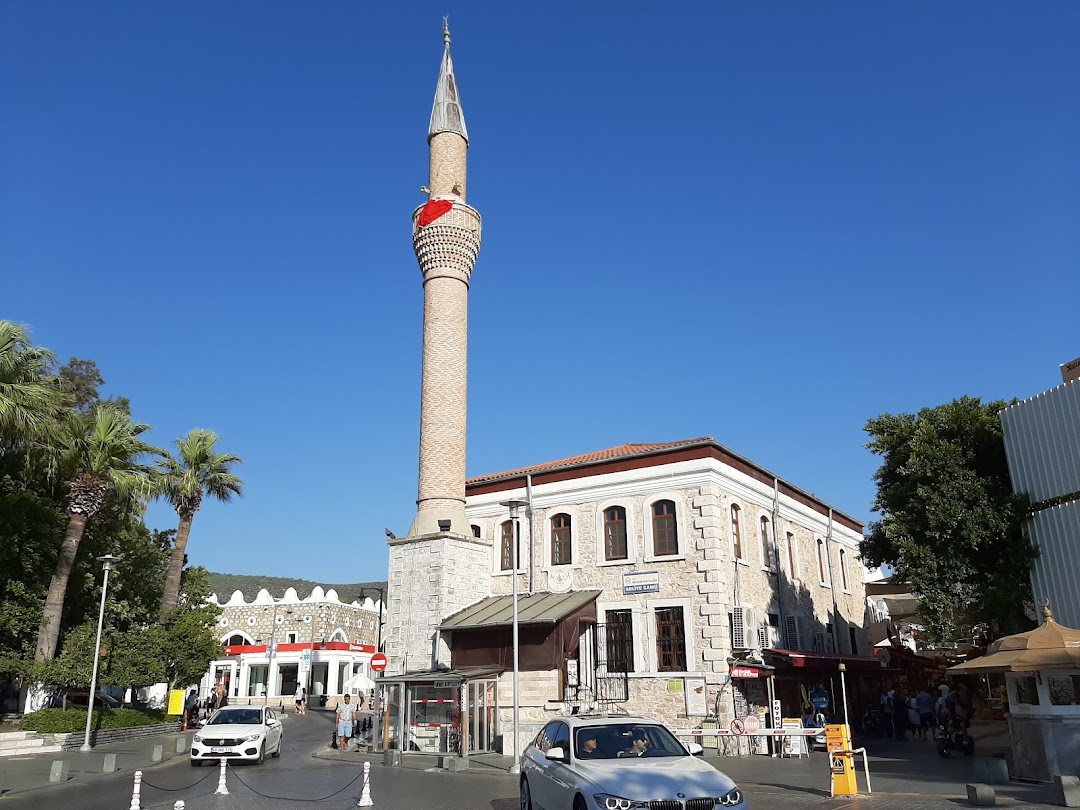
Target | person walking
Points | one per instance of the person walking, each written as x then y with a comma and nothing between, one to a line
924,702
899,715
345,715
298,699
191,709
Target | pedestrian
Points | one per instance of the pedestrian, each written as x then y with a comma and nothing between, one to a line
211,702
899,714
924,702
223,696
913,718
191,708
303,702
298,700
346,714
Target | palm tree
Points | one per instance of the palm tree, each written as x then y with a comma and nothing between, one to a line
30,396
184,482
95,453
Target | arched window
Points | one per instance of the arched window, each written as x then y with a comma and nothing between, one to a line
236,640
561,541
665,532
475,530
768,556
615,533
821,559
338,635
843,568
736,532
506,556
791,555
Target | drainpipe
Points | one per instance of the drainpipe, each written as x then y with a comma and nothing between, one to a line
529,515
776,561
837,618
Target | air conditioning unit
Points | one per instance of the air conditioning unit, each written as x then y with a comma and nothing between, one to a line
763,637
744,628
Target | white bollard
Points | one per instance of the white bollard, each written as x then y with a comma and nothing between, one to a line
365,797
221,789
135,791
179,805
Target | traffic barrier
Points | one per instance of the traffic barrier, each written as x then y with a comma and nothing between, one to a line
157,754
136,788
764,732
222,790
981,795
59,770
852,752
109,765
365,795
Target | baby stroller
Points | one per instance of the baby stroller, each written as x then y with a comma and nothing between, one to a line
952,733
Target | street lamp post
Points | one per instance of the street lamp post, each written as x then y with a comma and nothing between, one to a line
106,563
514,505
843,691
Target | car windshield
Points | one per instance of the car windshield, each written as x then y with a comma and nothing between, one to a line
626,740
236,717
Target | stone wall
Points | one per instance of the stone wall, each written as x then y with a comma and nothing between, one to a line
74,740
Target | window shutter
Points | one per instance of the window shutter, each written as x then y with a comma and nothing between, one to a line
763,637
791,629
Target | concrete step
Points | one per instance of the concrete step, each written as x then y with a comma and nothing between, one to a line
17,735
29,742
39,749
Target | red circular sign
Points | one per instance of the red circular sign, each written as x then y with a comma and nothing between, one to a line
752,723
378,662
737,726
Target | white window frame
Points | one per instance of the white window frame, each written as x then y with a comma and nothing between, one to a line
766,563
246,636
742,533
575,538
681,527
688,635
637,630
791,540
295,636
631,535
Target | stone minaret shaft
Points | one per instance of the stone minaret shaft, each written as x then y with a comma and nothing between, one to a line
446,249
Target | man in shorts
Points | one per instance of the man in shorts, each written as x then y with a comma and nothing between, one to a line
346,713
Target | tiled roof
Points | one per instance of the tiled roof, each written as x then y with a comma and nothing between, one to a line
621,451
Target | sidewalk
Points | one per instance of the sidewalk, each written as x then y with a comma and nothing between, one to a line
30,772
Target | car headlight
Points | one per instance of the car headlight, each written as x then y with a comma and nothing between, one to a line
609,802
252,737
197,738
731,798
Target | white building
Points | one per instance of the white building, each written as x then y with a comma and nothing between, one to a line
1042,442
321,642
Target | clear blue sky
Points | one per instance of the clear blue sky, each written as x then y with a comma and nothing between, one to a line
765,222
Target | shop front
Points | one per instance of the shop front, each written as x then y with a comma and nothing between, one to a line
808,684
444,712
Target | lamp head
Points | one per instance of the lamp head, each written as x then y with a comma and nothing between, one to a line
514,505
107,561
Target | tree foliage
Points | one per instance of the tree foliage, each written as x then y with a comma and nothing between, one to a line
950,524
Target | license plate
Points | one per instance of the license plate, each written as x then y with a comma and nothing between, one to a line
221,749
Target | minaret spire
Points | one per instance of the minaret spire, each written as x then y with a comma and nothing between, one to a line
446,112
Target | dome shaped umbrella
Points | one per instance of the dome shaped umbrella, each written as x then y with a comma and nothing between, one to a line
1048,646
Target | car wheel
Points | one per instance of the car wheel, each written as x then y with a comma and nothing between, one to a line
526,795
277,751
262,754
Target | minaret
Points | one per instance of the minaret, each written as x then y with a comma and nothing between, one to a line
446,238
440,568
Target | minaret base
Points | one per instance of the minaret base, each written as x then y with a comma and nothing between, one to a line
427,522
432,576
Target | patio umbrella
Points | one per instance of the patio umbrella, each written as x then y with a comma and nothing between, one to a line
1049,646
360,682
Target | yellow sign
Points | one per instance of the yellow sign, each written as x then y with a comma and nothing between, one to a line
841,762
176,701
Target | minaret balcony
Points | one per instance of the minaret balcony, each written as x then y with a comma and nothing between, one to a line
448,245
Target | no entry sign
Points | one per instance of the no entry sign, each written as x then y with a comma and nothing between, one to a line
378,662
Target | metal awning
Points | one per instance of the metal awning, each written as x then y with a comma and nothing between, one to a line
459,674
536,608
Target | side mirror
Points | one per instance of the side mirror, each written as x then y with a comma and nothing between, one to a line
556,754
270,721
695,749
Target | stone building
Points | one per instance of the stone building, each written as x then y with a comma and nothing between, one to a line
710,585
321,642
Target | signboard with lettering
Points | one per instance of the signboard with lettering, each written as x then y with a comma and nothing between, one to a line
745,672
1070,371
641,582
792,746
696,698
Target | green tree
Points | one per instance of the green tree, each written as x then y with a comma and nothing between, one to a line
198,471
950,524
30,397
190,644
80,381
96,454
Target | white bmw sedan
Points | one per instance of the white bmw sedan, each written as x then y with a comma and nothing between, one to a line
238,732
619,763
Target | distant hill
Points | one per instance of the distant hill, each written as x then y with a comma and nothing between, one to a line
250,584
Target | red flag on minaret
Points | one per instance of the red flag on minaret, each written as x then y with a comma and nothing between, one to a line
432,210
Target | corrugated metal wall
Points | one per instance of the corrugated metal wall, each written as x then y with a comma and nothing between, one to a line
1056,574
1042,440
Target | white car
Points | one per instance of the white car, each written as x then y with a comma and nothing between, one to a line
619,763
238,732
